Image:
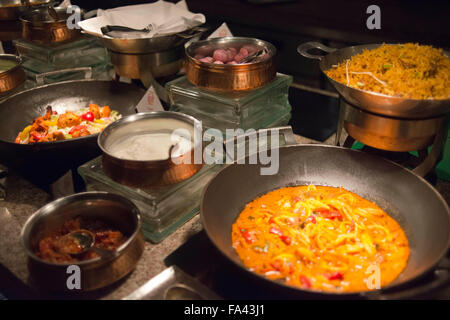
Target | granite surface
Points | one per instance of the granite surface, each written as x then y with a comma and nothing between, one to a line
23,199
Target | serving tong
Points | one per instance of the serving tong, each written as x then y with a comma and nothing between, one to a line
254,56
118,31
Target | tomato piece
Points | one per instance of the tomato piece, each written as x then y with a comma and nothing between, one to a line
38,136
276,231
286,239
271,220
335,276
77,128
327,214
304,280
88,116
276,265
321,210
247,236
312,219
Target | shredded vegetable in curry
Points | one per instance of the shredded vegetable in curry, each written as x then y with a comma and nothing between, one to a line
320,238
71,124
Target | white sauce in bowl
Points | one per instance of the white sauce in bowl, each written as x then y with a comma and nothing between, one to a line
150,147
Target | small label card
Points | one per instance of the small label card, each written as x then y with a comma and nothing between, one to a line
149,102
221,32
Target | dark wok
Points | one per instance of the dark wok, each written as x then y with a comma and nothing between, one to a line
44,162
372,101
416,205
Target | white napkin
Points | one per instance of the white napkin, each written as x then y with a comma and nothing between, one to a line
163,17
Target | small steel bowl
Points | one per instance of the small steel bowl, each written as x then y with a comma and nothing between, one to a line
229,77
13,77
114,210
149,173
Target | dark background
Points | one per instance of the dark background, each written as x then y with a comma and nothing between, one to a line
337,23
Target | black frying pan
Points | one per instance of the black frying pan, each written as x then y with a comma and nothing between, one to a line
415,204
45,162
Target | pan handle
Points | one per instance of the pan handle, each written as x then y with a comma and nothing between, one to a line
87,74
286,132
441,277
305,47
196,31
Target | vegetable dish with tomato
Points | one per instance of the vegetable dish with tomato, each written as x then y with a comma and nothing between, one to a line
69,125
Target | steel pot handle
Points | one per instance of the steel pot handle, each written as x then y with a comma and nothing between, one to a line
87,73
305,47
441,278
286,132
196,31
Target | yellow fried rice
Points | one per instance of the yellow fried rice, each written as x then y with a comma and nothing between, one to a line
405,70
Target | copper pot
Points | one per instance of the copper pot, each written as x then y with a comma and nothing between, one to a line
12,9
40,27
228,77
95,273
149,173
12,74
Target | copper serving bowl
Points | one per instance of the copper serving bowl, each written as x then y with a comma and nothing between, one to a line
12,75
40,27
230,77
149,173
12,9
113,209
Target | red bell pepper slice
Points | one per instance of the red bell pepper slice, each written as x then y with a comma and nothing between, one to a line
335,276
304,280
247,236
286,239
77,128
276,231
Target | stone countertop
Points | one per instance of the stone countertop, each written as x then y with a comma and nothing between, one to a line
23,199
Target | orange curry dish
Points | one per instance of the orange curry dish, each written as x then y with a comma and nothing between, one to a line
320,238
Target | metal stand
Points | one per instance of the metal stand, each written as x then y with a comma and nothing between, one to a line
426,161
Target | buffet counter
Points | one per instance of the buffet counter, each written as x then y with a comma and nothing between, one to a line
23,199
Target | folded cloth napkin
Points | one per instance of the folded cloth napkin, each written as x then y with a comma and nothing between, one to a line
162,17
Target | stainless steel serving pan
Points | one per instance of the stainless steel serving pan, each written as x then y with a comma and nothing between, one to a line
409,199
159,43
373,102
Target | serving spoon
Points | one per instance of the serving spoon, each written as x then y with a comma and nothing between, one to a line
85,240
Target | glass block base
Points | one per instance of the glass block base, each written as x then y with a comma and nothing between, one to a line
163,209
261,108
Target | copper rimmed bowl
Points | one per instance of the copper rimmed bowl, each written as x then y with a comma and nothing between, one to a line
11,10
11,73
142,172
115,210
230,77
40,27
